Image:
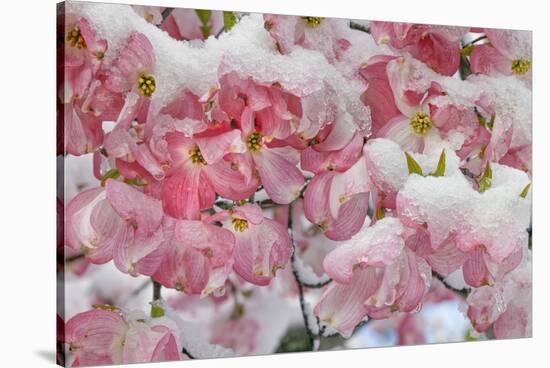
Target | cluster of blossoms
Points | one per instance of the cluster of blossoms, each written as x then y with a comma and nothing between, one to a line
358,165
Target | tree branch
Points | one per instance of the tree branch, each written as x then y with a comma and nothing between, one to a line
184,351
166,13
318,285
156,290
359,27
480,38
313,338
464,292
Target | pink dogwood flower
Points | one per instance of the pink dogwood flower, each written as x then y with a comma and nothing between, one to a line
198,257
437,46
378,95
376,276
84,52
264,114
262,245
132,74
202,167
118,222
338,201
93,337
318,158
415,123
105,335
84,117
410,106
92,226
141,252
469,222
325,35
505,305
507,53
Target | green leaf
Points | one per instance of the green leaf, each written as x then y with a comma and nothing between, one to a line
525,191
483,121
413,166
229,20
467,50
137,182
487,179
204,17
111,174
156,311
440,169
468,336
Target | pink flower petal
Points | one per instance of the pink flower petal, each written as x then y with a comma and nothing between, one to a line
318,211
143,212
249,212
83,132
229,182
341,160
350,219
92,336
217,243
486,59
399,130
260,250
281,179
137,56
180,193
447,258
475,269
183,268
342,306
139,255
215,147
343,130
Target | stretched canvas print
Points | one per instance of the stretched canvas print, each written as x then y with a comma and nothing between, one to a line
235,184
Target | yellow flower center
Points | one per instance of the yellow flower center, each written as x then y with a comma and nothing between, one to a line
106,307
312,21
240,225
521,66
75,39
421,123
146,84
196,156
254,141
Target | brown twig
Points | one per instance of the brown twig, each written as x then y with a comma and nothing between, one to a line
166,13
156,290
311,336
464,292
